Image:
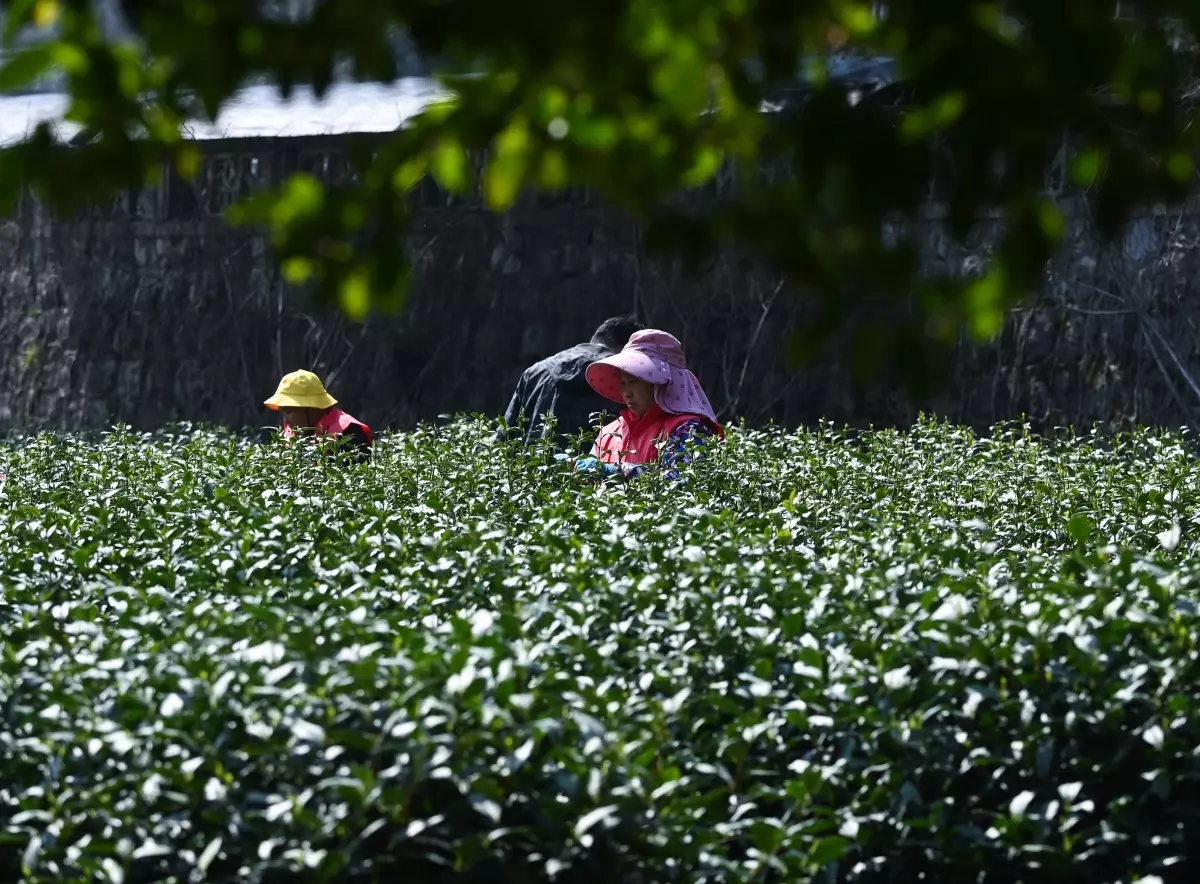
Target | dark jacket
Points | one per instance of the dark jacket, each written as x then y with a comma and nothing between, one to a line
557,386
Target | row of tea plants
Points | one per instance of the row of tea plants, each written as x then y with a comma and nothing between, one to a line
825,656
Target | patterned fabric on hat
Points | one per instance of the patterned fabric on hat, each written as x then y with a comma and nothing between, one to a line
656,357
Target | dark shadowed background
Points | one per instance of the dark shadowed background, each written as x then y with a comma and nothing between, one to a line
153,309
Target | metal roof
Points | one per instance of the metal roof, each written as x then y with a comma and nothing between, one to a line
262,112
256,111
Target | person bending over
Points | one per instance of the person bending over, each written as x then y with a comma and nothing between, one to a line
306,407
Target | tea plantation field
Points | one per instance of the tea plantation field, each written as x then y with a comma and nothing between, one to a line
886,657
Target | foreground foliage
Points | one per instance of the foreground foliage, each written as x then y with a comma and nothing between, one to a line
641,99
826,656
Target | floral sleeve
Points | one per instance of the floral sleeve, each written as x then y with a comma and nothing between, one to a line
681,448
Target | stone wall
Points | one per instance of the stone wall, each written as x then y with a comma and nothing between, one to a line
152,310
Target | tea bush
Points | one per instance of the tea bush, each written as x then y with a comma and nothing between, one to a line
875,657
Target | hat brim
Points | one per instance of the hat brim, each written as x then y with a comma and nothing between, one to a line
283,400
605,376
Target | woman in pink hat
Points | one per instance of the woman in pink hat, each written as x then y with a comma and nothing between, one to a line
666,413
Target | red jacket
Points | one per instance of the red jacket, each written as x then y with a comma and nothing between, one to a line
632,440
335,422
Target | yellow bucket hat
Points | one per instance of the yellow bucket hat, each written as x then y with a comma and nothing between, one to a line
300,389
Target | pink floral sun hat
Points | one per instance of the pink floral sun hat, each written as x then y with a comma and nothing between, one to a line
655,357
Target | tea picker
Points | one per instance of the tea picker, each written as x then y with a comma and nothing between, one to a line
306,407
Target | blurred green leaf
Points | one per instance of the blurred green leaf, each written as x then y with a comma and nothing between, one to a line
46,13
356,295
409,173
1086,167
1181,167
298,270
707,164
984,303
26,67
302,196
17,14
1054,225
505,173
450,166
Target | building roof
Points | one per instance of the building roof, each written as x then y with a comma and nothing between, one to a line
255,112
262,112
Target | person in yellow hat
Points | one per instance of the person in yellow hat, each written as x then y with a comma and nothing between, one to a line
305,405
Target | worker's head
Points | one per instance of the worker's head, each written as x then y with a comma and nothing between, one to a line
637,394
301,399
649,370
301,418
614,332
